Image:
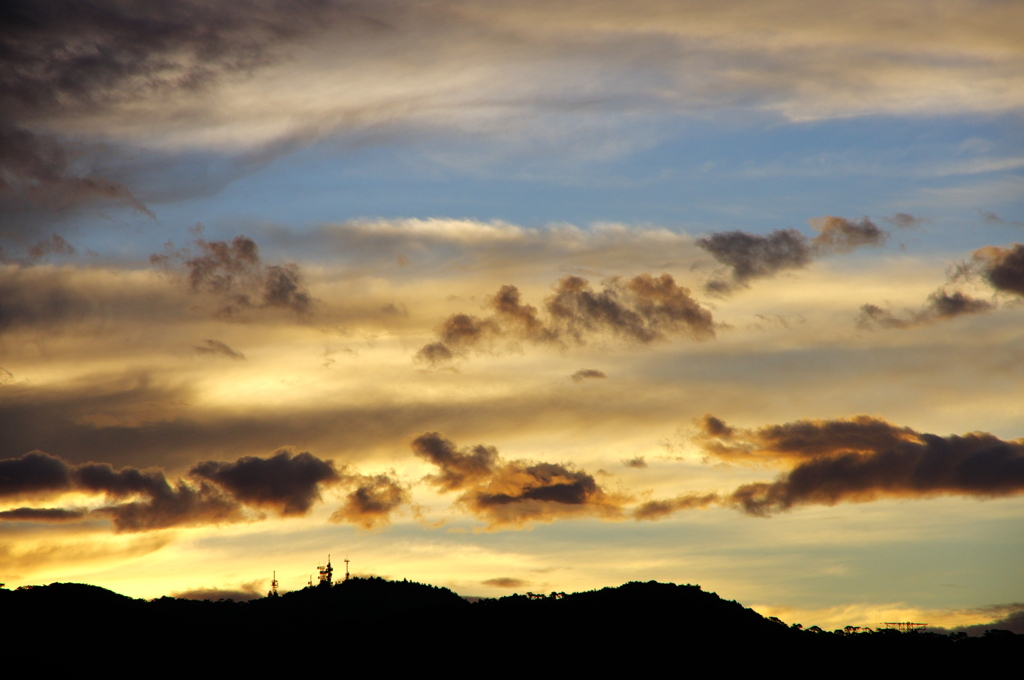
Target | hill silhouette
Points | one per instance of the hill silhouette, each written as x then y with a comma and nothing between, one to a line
402,624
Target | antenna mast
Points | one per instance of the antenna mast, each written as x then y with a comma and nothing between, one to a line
326,572
346,568
273,585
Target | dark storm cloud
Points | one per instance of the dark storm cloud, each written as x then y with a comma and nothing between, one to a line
289,484
217,348
587,374
66,58
752,256
234,274
512,492
939,306
372,500
863,458
642,309
660,509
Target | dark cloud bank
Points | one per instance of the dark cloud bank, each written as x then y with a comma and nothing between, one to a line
642,309
216,492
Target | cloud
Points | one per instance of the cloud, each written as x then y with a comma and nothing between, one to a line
1002,268
642,309
67,59
752,256
860,459
587,374
840,235
182,504
660,509
228,74
249,591
458,467
55,298
506,582
798,440
905,221
638,462
234,274
1013,621
34,473
512,493
940,305
217,348
37,170
372,501
993,218
42,514
54,245
290,484
142,500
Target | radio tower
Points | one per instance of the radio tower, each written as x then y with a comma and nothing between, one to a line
325,573
273,586
346,568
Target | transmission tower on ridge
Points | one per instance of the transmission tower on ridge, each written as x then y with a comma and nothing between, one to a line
346,568
326,573
273,585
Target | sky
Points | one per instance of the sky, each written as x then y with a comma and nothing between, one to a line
518,296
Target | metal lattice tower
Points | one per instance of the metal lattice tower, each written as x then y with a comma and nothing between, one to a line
326,573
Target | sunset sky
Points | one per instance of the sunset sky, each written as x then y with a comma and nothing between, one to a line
518,296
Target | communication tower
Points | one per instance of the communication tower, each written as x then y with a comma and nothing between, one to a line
326,573
273,585
346,568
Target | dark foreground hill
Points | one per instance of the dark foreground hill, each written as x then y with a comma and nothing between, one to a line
637,627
